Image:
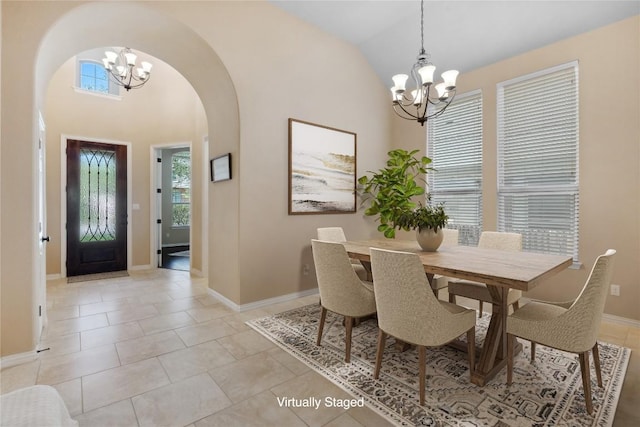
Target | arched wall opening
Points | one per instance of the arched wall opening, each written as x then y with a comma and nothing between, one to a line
77,28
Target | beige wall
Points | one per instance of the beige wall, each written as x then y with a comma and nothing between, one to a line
165,111
609,66
312,77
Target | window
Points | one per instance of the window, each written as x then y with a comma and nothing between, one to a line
180,188
455,146
93,77
538,159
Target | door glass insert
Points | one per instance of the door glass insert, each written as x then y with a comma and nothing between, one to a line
97,195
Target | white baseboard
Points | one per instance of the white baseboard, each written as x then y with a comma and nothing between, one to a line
262,303
140,267
18,359
55,276
621,320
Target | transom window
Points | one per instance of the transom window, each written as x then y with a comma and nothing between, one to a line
538,159
454,143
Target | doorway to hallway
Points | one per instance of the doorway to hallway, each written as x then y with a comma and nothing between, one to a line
173,204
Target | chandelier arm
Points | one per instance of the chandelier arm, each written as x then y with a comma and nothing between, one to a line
412,116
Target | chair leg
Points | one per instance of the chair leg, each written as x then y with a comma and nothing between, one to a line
382,337
509,359
516,305
480,312
422,364
533,352
349,325
323,316
471,350
586,381
596,361
452,298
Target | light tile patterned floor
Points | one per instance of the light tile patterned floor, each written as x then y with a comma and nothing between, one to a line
155,349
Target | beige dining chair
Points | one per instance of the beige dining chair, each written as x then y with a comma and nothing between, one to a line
450,239
479,291
408,310
336,234
341,290
573,329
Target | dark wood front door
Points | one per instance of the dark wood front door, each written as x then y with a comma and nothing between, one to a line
96,207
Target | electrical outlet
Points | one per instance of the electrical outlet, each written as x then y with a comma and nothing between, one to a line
305,270
615,290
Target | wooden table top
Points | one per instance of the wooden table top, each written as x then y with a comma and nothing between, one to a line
517,270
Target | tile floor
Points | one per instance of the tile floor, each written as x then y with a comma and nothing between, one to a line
155,349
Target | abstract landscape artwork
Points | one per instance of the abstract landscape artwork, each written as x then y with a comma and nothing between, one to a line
322,169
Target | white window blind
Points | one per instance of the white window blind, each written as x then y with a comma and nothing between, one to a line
538,159
454,143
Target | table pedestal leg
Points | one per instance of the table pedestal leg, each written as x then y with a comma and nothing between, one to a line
493,356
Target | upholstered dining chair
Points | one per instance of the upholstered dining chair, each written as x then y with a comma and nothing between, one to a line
336,234
408,310
479,291
341,290
450,239
573,329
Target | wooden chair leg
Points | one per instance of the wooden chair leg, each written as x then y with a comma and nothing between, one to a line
596,361
516,305
586,381
349,325
422,368
509,359
533,352
480,312
382,337
323,316
452,298
471,350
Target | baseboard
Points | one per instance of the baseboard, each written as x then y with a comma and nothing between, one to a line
55,276
18,359
621,320
140,267
262,303
196,272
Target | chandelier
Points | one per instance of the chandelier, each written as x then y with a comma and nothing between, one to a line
120,67
422,103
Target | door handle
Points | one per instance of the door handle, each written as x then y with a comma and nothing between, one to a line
45,239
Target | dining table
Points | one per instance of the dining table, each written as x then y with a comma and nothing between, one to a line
499,270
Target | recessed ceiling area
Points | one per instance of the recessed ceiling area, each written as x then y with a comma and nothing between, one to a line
462,35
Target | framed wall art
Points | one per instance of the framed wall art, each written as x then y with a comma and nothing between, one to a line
220,168
322,169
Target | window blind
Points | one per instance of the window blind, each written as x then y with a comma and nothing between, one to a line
454,143
538,159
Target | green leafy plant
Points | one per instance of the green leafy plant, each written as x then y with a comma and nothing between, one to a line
391,191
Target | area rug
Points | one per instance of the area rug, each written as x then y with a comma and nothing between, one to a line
97,276
546,393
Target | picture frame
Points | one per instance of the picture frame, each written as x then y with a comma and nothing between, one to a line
220,168
322,169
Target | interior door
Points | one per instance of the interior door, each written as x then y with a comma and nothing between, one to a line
96,207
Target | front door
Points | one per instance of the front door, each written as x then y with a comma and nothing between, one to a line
96,207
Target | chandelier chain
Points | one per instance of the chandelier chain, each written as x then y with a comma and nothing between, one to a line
422,51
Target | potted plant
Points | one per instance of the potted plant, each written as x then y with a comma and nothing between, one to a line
390,193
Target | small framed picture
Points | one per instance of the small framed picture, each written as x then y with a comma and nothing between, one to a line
220,168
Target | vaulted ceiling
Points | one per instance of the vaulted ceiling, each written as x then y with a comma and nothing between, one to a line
462,35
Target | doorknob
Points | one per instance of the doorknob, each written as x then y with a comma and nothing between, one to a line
45,239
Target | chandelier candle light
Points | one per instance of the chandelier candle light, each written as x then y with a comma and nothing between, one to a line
121,69
426,104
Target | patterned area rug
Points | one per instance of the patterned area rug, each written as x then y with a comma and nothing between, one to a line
546,393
